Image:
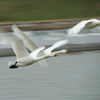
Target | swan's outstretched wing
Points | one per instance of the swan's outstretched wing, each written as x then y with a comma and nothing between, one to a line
76,29
56,45
30,44
17,45
85,24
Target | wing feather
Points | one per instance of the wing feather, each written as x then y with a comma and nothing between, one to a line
30,44
17,45
18,48
56,45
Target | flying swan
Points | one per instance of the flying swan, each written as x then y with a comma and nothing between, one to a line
32,45
24,58
85,24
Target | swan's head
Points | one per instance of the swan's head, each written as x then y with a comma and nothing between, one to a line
12,65
63,51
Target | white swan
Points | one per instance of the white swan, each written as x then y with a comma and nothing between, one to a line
32,46
23,56
85,24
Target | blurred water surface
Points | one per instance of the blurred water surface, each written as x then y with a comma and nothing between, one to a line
73,76
49,37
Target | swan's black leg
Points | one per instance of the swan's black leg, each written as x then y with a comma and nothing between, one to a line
14,66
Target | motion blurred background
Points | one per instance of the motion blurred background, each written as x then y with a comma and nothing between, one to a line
32,10
47,20
71,76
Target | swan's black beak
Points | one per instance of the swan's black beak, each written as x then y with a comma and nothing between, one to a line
54,55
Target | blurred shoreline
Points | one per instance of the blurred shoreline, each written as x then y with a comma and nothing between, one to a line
42,25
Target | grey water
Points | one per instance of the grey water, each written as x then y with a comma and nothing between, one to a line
71,76
49,37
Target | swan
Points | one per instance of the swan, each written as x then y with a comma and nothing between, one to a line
23,57
32,45
85,24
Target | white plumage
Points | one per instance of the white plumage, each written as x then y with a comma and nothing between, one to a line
24,58
85,24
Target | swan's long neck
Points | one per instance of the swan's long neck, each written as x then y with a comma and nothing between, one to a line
57,52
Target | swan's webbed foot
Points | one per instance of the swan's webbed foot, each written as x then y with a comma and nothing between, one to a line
13,67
